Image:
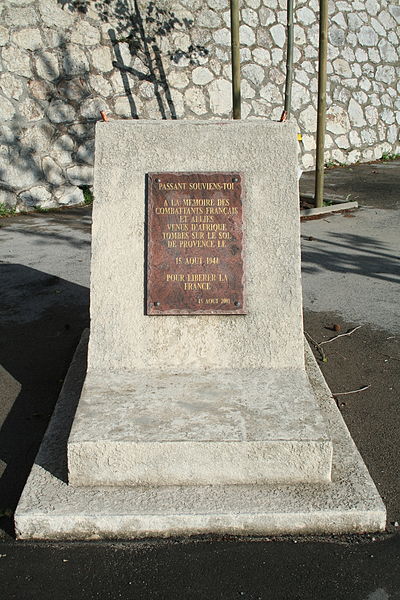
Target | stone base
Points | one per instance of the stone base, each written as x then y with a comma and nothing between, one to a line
198,428
51,509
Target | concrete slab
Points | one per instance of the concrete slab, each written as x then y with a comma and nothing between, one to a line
198,427
51,509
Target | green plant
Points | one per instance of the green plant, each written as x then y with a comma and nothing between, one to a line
87,195
386,156
6,211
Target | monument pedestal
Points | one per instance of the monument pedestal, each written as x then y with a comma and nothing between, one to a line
191,422
199,428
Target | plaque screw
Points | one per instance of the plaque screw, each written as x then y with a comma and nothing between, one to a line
156,304
236,303
235,179
158,180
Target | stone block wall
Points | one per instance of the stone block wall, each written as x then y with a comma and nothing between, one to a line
62,61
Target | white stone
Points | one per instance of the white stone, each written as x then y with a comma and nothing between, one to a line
215,66
101,59
47,66
310,52
374,55
36,196
278,35
29,39
246,90
10,85
365,84
178,79
354,156
342,67
354,137
52,171
62,149
245,55
300,96
387,20
276,56
380,30
342,141
253,3
305,16
247,35
356,114
361,55
91,108
368,136
308,161
123,108
17,61
340,20
70,196
387,51
53,15
7,110
60,112
299,35
309,142
80,175
271,93
261,56
267,16
387,116
302,77
372,6
393,134
4,36
361,97
37,139
337,120
220,94
84,33
23,16
195,100
385,73
249,17
75,61
336,36
276,75
178,103
100,85
367,36
254,74
215,4
146,89
209,19
202,76
312,33
260,109
222,37
31,110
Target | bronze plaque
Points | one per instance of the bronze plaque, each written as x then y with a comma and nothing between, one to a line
195,251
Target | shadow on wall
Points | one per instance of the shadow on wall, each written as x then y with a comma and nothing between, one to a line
80,58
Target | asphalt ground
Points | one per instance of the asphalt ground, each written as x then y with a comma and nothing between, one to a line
350,272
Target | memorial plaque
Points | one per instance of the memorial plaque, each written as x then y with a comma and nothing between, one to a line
195,244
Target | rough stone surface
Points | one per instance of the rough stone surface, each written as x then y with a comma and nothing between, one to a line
198,427
53,54
184,143
51,509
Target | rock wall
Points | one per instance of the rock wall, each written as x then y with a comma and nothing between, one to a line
62,61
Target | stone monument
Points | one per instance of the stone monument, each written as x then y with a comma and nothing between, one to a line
199,412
